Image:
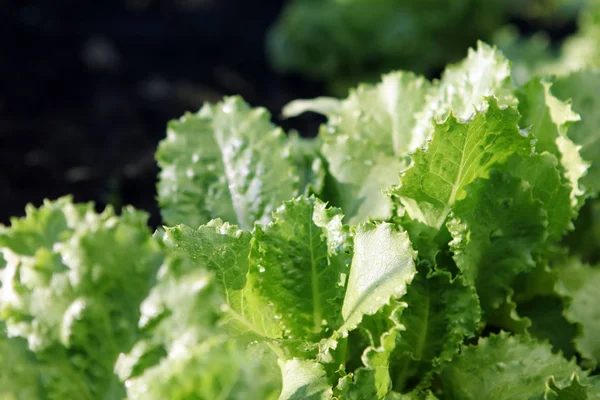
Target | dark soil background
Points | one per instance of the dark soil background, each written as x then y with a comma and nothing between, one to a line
86,89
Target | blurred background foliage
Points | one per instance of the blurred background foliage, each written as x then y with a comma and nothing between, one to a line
347,41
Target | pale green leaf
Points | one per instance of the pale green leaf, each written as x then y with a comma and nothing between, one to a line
382,267
305,154
183,352
321,105
549,119
366,139
583,87
542,174
593,383
580,283
304,380
213,369
463,89
73,283
226,161
52,376
20,377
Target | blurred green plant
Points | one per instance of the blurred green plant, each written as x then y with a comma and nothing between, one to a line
343,42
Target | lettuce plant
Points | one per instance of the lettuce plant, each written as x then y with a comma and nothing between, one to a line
342,42
426,245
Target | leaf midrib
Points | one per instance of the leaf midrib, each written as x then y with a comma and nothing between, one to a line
316,295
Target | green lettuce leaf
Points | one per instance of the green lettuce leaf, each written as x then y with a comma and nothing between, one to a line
20,378
549,120
504,366
583,240
305,154
441,313
369,134
414,395
304,379
29,376
300,261
366,138
226,161
458,154
583,88
225,250
548,322
72,286
497,228
382,267
464,88
579,283
568,389
548,187
378,335
183,350
213,369
539,308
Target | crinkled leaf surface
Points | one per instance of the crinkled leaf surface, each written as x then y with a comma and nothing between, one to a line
372,379
29,376
300,260
496,229
459,153
463,89
183,351
583,88
503,367
73,283
365,141
369,134
440,314
225,250
580,283
226,161
304,379
20,377
569,389
213,369
549,119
